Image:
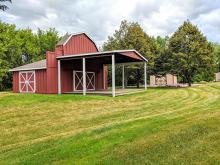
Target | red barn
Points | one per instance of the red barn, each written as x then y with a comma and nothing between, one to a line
76,66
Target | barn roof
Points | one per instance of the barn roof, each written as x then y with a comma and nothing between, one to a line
64,39
32,66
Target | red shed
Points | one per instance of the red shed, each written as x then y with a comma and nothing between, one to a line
76,66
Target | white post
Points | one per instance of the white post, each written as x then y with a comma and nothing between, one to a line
113,75
145,75
123,76
84,76
59,78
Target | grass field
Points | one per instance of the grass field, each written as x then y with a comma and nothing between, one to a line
160,126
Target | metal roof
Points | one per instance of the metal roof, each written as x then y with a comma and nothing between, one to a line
32,66
64,39
101,53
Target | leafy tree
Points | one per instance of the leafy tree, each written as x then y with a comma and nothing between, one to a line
46,41
191,52
22,46
131,36
3,7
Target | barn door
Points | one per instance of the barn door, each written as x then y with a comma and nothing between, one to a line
78,80
27,81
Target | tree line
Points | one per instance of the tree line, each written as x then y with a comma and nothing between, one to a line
22,46
187,53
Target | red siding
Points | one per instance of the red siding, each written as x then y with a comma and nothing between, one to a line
41,81
79,44
52,70
15,82
46,80
67,68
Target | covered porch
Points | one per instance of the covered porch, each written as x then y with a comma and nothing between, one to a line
88,73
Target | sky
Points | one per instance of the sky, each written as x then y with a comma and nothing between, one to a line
100,18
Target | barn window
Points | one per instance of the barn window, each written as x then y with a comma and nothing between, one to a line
27,82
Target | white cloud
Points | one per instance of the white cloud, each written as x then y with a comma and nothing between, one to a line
100,18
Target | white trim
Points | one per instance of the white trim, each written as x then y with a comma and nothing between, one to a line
113,75
26,82
26,69
80,79
84,75
100,53
145,75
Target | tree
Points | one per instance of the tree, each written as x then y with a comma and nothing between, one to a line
22,46
217,57
3,7
131,36
46,41
191,53
162,59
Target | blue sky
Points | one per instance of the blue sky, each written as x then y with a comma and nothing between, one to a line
100,18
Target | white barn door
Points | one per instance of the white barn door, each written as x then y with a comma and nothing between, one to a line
78,80
27,82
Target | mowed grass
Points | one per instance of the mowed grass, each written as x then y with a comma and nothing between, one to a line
159,126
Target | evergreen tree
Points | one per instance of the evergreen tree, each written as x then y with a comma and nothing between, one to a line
191,53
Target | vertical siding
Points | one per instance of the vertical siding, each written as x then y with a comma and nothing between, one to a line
52,71
79,44
41,81
67,68
15,82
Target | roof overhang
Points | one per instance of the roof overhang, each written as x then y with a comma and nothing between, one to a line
101,54
26,69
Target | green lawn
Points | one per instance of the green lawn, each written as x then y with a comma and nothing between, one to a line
160,126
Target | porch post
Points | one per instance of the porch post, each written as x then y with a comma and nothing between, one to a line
145,75
123,76
84,76
59,78
113,75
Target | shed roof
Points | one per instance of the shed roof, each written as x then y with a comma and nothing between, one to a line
102,53
32,66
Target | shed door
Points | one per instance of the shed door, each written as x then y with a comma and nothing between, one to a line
78,80
27,81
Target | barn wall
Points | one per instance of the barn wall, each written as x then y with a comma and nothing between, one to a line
67,68
41,81
51,72
105,76
79,44
15,82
